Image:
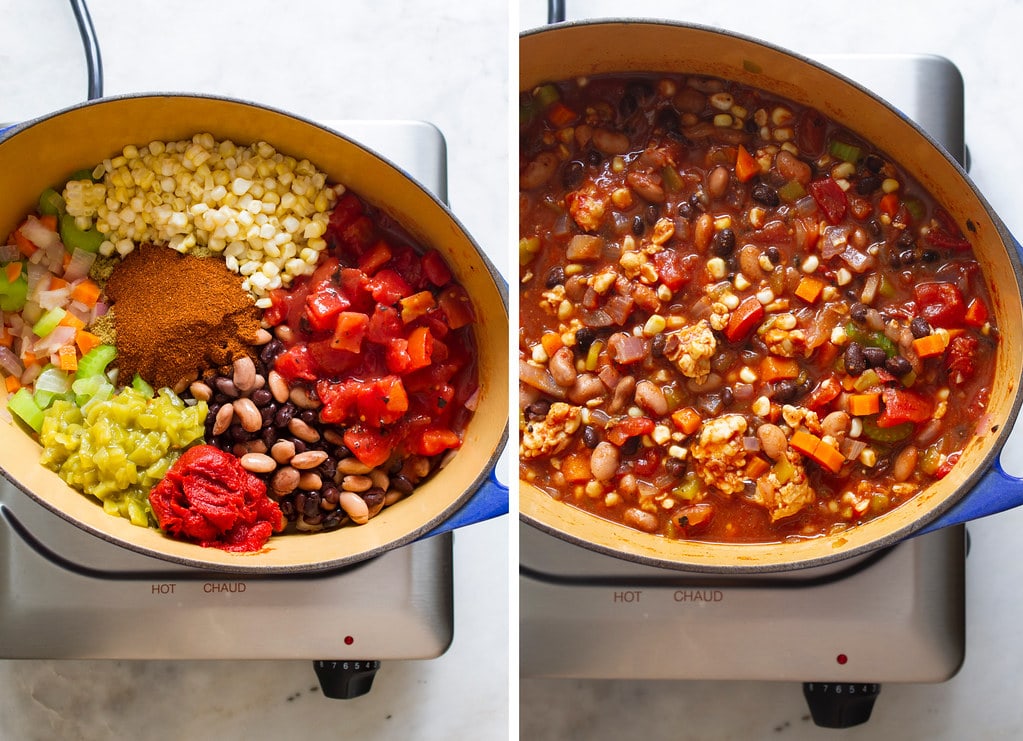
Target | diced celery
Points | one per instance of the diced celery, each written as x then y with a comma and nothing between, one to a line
51,203
844,151
792,191
73,237
22,405
13,292
49,321
139,384
545,95
95,362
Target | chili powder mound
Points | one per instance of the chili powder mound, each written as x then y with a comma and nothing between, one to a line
177,315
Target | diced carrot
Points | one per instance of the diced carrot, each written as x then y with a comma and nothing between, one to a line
57,283
25,245
889,204
687,419
805,442
861,405
829,456
86,340
560,114
28,358
746,167
70,320
976,313
773,368
6,338
66,260
12,383
757,468
420,347
929,345
86,292
576,467
551,342
49,221
12,270
809,288
68,357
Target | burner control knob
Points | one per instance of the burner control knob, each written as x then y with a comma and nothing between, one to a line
347,678
840,704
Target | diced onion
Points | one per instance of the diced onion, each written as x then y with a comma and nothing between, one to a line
52,299
60,336
81,262
34,231
10,362
53,379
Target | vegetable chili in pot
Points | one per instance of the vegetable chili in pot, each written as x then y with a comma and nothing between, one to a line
739,322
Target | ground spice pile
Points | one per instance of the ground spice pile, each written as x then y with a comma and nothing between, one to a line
177,315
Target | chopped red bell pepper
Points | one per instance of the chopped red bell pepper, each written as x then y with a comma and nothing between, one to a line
746,316
375,257
830,198
436,270
903,405
416,305
825,392
457,308
674,269
384,325
433,440
977,313
349,331
420,348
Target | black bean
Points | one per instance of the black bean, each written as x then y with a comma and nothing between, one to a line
784,391
268,414
590,436
631,446
572,176
766,195
269,436
652,214
537,410
239,434
261,397
584,337
868,184
657,345
312,504
875,356
555,276
288,509
627,105
638,225
373,497
873,163
328,468
855,359
667,119
684,210
309,416
402,484
919,327
858,312
907,257
594,158
898,365
270,351
284,414
906,239
674,467
723,243
727,396
929,255
301,446
773,254
330,493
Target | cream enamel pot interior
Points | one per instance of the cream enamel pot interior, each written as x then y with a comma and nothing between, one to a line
42,153
565,51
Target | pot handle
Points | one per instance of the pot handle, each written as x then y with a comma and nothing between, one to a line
490,500
996,492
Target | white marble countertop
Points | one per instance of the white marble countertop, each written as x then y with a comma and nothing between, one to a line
982,701
426,60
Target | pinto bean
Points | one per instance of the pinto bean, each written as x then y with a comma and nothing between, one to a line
792,168
539,171
586,387
354,506
772,440
704,232
905,463
623,394
647,186
610,142
244,374
650,397
835,424
562,367
604,461
717,181
637,518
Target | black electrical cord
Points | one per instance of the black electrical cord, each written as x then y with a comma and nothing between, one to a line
92,57
555,11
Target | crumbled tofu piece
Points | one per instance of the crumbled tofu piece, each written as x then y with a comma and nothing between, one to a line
691,349
719,455
552,434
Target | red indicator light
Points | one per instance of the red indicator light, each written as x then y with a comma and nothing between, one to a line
841,658
349,641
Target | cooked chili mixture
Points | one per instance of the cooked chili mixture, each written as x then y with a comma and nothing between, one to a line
739,322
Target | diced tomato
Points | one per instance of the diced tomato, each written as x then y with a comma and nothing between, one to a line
346,210
810,131
296,363
330,360
387,287
746,167
830,198
371,447
674,269
825,392
961,358
349,331
397,356
375,257
384,325
409,265
435,269
457,308
940,303
420,348
355,287
433,440
280,305
385,403
323,306
948,464
744,319
338,400
326,270
947,234
903,405
620,430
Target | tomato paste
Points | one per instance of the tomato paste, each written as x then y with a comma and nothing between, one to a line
209,499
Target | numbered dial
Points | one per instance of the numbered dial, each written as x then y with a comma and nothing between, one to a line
840,704
345,679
